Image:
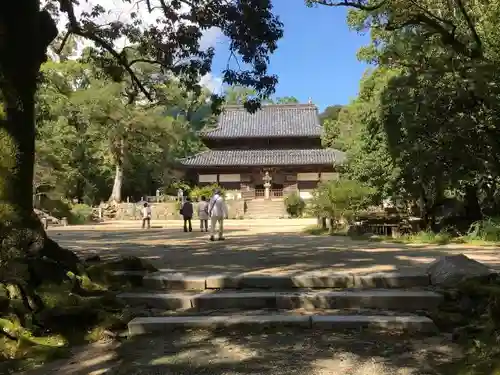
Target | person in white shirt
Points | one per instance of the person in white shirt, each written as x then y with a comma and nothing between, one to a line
146,216
217,211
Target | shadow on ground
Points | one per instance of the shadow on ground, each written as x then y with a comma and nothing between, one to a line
263,251
271,352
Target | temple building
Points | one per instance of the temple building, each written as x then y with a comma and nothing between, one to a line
268,154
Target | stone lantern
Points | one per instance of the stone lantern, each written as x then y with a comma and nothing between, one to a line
267,185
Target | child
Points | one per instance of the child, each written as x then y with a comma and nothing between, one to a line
187,214
146,215
203,213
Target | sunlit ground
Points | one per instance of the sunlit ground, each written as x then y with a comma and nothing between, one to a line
263,246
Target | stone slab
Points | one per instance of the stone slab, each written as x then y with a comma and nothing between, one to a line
221,281
400,323
234,300
174,281
392,280
263,282
162,301
139,326
323,280
376,299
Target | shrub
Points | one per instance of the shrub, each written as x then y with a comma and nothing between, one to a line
173,187
80,214
294,205
340,200
485,230
428,237
55,206
198,191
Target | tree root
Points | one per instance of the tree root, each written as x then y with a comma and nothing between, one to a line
66,258
8,335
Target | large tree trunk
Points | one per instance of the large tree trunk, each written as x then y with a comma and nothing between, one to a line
471,203
25,34
116,193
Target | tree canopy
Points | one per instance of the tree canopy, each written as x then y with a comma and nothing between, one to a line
424,127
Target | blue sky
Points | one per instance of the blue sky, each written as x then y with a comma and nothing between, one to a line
316,57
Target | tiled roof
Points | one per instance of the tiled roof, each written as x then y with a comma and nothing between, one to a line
230,158
276,120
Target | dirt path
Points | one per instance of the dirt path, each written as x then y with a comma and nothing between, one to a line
277,246
264,246
265,353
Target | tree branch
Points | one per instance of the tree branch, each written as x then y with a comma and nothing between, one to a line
148,61
63,42
470,24
74,27
448,37
353,4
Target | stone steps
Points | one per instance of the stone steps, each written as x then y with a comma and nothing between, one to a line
171,280
420,324
265,209
403,300
327,300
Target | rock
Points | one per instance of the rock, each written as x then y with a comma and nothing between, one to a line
93,258
453,269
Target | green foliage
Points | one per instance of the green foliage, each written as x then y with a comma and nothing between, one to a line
425,120
331,113
87,130
70,317
173,188
80,214
341,199
315,230
294,205
487,230
207,191
427,237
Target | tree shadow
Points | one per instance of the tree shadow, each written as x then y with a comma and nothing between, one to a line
267,252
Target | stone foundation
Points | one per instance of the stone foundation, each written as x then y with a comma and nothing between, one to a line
170,210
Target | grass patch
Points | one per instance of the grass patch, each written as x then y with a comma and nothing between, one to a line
423,237
314,230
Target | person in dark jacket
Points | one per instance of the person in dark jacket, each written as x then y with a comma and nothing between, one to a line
187,214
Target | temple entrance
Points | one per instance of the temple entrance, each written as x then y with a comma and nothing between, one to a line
276,191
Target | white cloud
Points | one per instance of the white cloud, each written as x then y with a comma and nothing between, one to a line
211,37
211,82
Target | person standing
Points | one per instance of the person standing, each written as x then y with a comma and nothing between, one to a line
146,215
217,211
203,213
187,214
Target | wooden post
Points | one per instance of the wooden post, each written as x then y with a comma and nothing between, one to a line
45,222
64,221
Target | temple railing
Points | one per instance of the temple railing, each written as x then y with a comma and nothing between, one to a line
260,193
276,193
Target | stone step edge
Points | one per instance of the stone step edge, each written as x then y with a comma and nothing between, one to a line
382,299
415,323
171,279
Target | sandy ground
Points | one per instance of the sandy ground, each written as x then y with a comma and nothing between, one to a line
290,352
264,246
251,246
